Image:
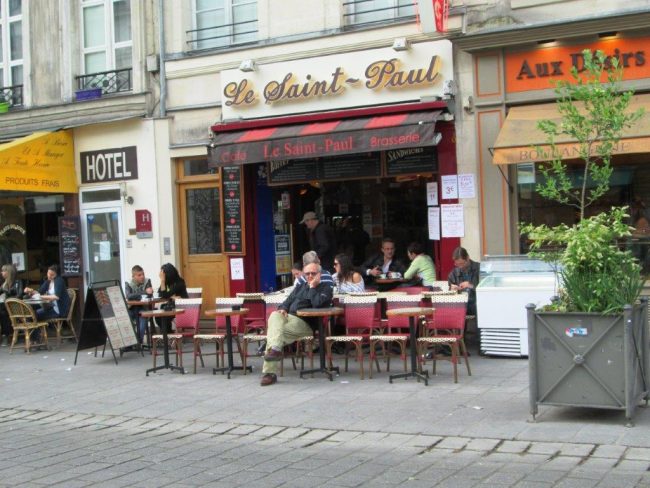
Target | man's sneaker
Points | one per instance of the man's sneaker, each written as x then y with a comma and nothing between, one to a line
268,379
273,355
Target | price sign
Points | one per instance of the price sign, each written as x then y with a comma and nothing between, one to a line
449,187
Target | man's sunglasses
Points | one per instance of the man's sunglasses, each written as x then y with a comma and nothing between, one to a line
311,273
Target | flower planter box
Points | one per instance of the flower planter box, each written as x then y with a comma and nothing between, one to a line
589,359
4,107
88,94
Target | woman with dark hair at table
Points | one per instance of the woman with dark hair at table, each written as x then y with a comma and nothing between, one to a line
346,279
10,288
172,286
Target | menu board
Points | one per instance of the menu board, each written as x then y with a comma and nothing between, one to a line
410,161
105,317
364,165
70,247
232,210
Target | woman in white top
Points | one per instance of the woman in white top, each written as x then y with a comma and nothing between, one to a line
346,279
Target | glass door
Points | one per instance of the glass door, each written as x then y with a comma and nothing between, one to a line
102,235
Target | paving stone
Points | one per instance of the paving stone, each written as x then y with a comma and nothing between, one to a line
609,451
544,447
637,453
576,449
452,443
516,447
482,444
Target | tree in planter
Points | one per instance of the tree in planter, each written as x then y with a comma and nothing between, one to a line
597,276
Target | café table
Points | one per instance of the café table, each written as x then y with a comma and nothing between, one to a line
149,303
390,281
332,313
412,313
165,317
227,313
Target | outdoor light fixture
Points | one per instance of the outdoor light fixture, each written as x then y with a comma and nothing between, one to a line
607,35
401,44
546,42
247,65
125,196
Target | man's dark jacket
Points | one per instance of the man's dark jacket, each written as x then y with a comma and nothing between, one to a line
396,266
303,296
471,274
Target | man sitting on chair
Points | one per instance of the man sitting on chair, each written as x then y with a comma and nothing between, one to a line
286,327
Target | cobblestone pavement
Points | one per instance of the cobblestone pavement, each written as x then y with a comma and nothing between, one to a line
105,425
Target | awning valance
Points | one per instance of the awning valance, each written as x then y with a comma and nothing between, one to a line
327,138
40,162
520,141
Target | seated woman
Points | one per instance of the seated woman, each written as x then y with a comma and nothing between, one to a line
346,279
11,288
172,286
422,268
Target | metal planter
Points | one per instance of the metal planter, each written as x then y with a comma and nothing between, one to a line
588,359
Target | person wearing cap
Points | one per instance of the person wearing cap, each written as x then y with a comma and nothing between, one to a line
321,239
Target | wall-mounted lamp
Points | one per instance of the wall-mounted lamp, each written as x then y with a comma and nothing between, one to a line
546,42
247,65
125,196
401,44
448,89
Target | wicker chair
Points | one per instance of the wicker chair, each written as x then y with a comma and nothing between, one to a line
447,330
397,328
219,335
23,320
187,325
359,324
59,322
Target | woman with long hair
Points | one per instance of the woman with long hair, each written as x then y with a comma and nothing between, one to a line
171,284
346,279
422,268
11,287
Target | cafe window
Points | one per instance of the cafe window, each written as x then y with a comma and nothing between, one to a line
11,43
359,12
220,23
197,167
106,35
203,220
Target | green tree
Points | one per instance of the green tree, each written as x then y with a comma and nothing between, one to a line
594,113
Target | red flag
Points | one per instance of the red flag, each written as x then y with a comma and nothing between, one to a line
441,13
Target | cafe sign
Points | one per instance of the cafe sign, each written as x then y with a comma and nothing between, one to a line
362,78
535,70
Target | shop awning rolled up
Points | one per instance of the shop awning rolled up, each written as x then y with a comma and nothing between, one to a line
328,138
40,162
520,141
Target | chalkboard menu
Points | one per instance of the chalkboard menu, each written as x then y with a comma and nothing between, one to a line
105,316
411,161
70,247
365,165
232,210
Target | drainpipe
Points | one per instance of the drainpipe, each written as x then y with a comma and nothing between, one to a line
161,44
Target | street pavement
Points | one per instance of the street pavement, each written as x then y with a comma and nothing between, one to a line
107,425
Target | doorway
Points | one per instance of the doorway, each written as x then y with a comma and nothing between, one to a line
102,233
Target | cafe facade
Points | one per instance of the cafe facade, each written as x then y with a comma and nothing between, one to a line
363,138
506,88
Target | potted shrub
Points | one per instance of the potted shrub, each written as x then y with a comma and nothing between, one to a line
589,347
4,103
89,93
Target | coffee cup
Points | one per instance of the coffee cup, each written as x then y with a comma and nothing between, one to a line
144,298
382,276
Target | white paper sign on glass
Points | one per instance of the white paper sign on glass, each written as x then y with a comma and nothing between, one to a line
452,220
466,186
237,268
434,223
432,193
449,187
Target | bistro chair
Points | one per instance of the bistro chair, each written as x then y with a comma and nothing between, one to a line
219,335
396,329
195,292
187,324
23,320
59,322
256,306
359,315
445,329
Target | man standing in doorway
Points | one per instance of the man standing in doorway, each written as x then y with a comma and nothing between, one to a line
321,239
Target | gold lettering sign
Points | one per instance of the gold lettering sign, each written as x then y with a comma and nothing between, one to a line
382,74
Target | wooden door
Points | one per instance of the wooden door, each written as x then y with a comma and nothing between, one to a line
203,263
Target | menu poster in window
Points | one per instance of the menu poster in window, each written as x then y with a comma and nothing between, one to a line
70,245
452,220
287,171
449,187
466,187
410,161
366,165
105,317
232,209
432,193
434,223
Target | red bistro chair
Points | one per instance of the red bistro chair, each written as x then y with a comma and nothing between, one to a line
219,335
